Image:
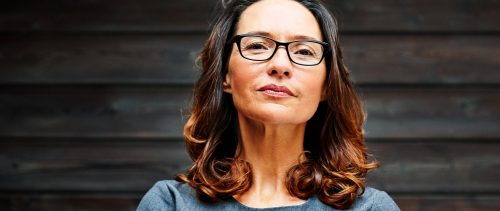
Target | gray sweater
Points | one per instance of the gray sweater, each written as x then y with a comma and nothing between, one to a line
172,195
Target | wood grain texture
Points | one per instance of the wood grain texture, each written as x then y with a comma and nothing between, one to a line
89,165
170,59
99,59
427,112
95,201
440,60
93,111
467,167
160,111
194,15
110,15
456,203
417,15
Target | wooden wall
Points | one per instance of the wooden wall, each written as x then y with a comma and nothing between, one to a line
93,96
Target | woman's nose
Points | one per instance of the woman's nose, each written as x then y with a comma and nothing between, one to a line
280,64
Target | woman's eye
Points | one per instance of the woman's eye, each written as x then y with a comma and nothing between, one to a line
256,46
304,52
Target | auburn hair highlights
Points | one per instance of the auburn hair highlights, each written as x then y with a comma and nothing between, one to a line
335,161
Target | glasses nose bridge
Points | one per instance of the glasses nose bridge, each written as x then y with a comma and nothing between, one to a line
285,44
278,45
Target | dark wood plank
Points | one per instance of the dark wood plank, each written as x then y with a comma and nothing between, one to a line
99,59
110,15
456,203
157,15
423,59
89,165
418,15
436,166
169,59
466,167
69,201
102,111
428,112
159,112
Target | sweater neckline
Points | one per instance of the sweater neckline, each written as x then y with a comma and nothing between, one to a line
239,204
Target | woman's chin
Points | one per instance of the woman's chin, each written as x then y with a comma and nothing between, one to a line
278,116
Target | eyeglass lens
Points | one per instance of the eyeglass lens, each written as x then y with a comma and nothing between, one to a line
301,52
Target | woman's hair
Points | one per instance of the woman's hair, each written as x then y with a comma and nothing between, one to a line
335,160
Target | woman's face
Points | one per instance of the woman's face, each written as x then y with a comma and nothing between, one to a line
276,91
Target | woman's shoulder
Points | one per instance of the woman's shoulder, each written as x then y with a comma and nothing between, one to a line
167,195
172,187
373,199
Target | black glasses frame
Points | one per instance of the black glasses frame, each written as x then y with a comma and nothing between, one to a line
237,39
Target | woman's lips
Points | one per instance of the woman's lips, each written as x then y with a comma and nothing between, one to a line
276,91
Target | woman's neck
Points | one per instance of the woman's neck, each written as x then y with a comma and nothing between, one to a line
271,150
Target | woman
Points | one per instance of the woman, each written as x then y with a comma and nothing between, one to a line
275,121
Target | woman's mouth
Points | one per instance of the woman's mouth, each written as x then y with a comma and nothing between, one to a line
276,91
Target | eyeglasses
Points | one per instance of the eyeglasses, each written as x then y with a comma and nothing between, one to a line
261,48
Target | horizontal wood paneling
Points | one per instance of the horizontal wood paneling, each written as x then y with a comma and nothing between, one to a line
99,111
417,15
423,59
455,203
156,15
427,112
169,59
109,15
424,166
157,111
95,201
99,59
88,165
469,167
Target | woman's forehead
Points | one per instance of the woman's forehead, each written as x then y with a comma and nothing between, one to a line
282,19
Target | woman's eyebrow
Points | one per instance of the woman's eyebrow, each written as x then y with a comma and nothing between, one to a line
263,33
293,37
304,37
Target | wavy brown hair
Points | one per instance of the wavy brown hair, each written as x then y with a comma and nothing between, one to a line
334,163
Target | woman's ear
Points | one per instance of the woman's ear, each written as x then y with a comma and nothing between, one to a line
227,83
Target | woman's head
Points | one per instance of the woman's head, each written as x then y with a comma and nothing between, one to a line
268,83
320,94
